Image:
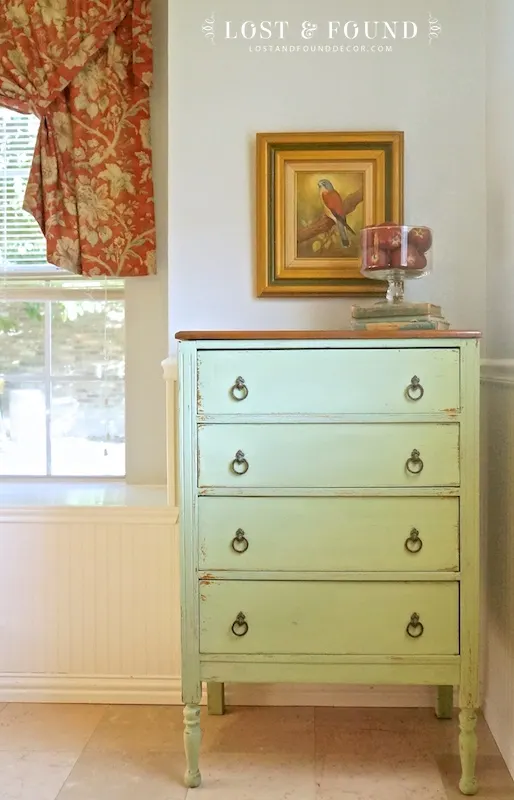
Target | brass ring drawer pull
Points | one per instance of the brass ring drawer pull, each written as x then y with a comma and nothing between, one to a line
415,628
240,626
240,465
414,543
415,390
239,390
414,463
240,543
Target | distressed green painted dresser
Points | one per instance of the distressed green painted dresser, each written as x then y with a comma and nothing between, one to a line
330,515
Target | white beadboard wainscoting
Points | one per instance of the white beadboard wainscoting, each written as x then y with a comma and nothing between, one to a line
89,606
498,426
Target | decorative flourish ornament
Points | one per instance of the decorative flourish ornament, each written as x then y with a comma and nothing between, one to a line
434,28
208,29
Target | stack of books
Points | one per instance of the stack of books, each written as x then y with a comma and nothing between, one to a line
397,317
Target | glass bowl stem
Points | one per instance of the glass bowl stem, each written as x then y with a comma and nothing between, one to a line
395,290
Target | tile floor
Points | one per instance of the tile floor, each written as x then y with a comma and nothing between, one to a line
72,752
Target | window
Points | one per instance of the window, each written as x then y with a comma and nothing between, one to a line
62,350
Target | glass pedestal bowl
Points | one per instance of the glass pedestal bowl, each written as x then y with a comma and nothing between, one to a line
396,253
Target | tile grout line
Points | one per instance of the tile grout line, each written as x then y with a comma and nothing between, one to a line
101,717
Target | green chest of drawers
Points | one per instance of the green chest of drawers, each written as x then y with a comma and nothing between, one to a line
330,515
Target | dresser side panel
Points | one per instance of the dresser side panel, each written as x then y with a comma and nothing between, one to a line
188,467
470,525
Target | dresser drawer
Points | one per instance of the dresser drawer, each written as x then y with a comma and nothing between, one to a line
328,455
359,381
329,618
337,534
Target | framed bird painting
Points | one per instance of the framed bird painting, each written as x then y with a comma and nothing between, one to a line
315,193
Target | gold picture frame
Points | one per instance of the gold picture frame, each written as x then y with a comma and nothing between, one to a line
315,191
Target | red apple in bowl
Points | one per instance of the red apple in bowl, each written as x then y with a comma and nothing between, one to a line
421,238
369,239
376,258
408,259
388,236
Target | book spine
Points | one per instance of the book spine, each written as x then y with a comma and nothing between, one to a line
400,320
419,311
401,326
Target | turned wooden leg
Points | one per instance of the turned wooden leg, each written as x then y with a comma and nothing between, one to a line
468,750
444,702
216,698
192,739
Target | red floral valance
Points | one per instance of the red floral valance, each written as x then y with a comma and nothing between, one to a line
85,68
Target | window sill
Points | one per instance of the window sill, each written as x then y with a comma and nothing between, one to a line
89,494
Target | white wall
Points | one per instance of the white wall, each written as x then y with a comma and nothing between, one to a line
498,398
499,388
221,95
147,300
500,176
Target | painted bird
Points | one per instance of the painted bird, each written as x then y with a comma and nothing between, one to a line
335,209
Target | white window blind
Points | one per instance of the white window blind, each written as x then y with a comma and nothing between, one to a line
22,245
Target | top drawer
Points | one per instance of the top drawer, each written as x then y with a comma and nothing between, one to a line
360,381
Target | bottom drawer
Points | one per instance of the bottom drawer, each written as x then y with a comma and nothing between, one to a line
328,618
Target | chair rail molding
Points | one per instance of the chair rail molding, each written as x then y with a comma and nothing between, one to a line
498,370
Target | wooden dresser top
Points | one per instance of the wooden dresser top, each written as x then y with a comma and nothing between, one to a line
342,334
